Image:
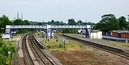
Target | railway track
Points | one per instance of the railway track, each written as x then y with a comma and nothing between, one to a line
27,58
34,55
116,51
39,51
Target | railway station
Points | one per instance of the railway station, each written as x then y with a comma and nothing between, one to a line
85,35
64,32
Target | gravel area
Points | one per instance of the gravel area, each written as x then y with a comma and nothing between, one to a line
109,57
18,59
112,59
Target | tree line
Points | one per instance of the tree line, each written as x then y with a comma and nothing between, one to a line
108,22
4,20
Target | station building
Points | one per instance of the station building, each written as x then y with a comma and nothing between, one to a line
120,34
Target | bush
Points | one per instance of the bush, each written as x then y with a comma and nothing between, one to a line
80,46
0,35
2,59
56,40
48,46
4,48
1,43
60,46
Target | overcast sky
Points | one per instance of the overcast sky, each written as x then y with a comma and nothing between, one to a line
62,10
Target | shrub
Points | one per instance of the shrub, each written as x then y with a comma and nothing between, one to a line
60,46
0,35
80,46
48,46
56,40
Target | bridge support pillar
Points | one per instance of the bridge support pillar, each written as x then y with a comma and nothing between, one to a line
49,32
86,33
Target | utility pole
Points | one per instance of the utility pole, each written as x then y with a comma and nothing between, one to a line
64,44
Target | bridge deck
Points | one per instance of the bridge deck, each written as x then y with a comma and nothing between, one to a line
47,26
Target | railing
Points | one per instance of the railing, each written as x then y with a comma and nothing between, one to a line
27,26
46,26
70,26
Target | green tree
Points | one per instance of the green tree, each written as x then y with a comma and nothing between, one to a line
4,20
18,22
71,22
79,22
61,23
122,23
21,22
39,23
108,23
57,23
52,22
26,22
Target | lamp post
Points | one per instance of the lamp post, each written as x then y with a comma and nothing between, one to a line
9,54
64,44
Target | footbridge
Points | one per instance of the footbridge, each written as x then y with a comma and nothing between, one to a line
49,28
